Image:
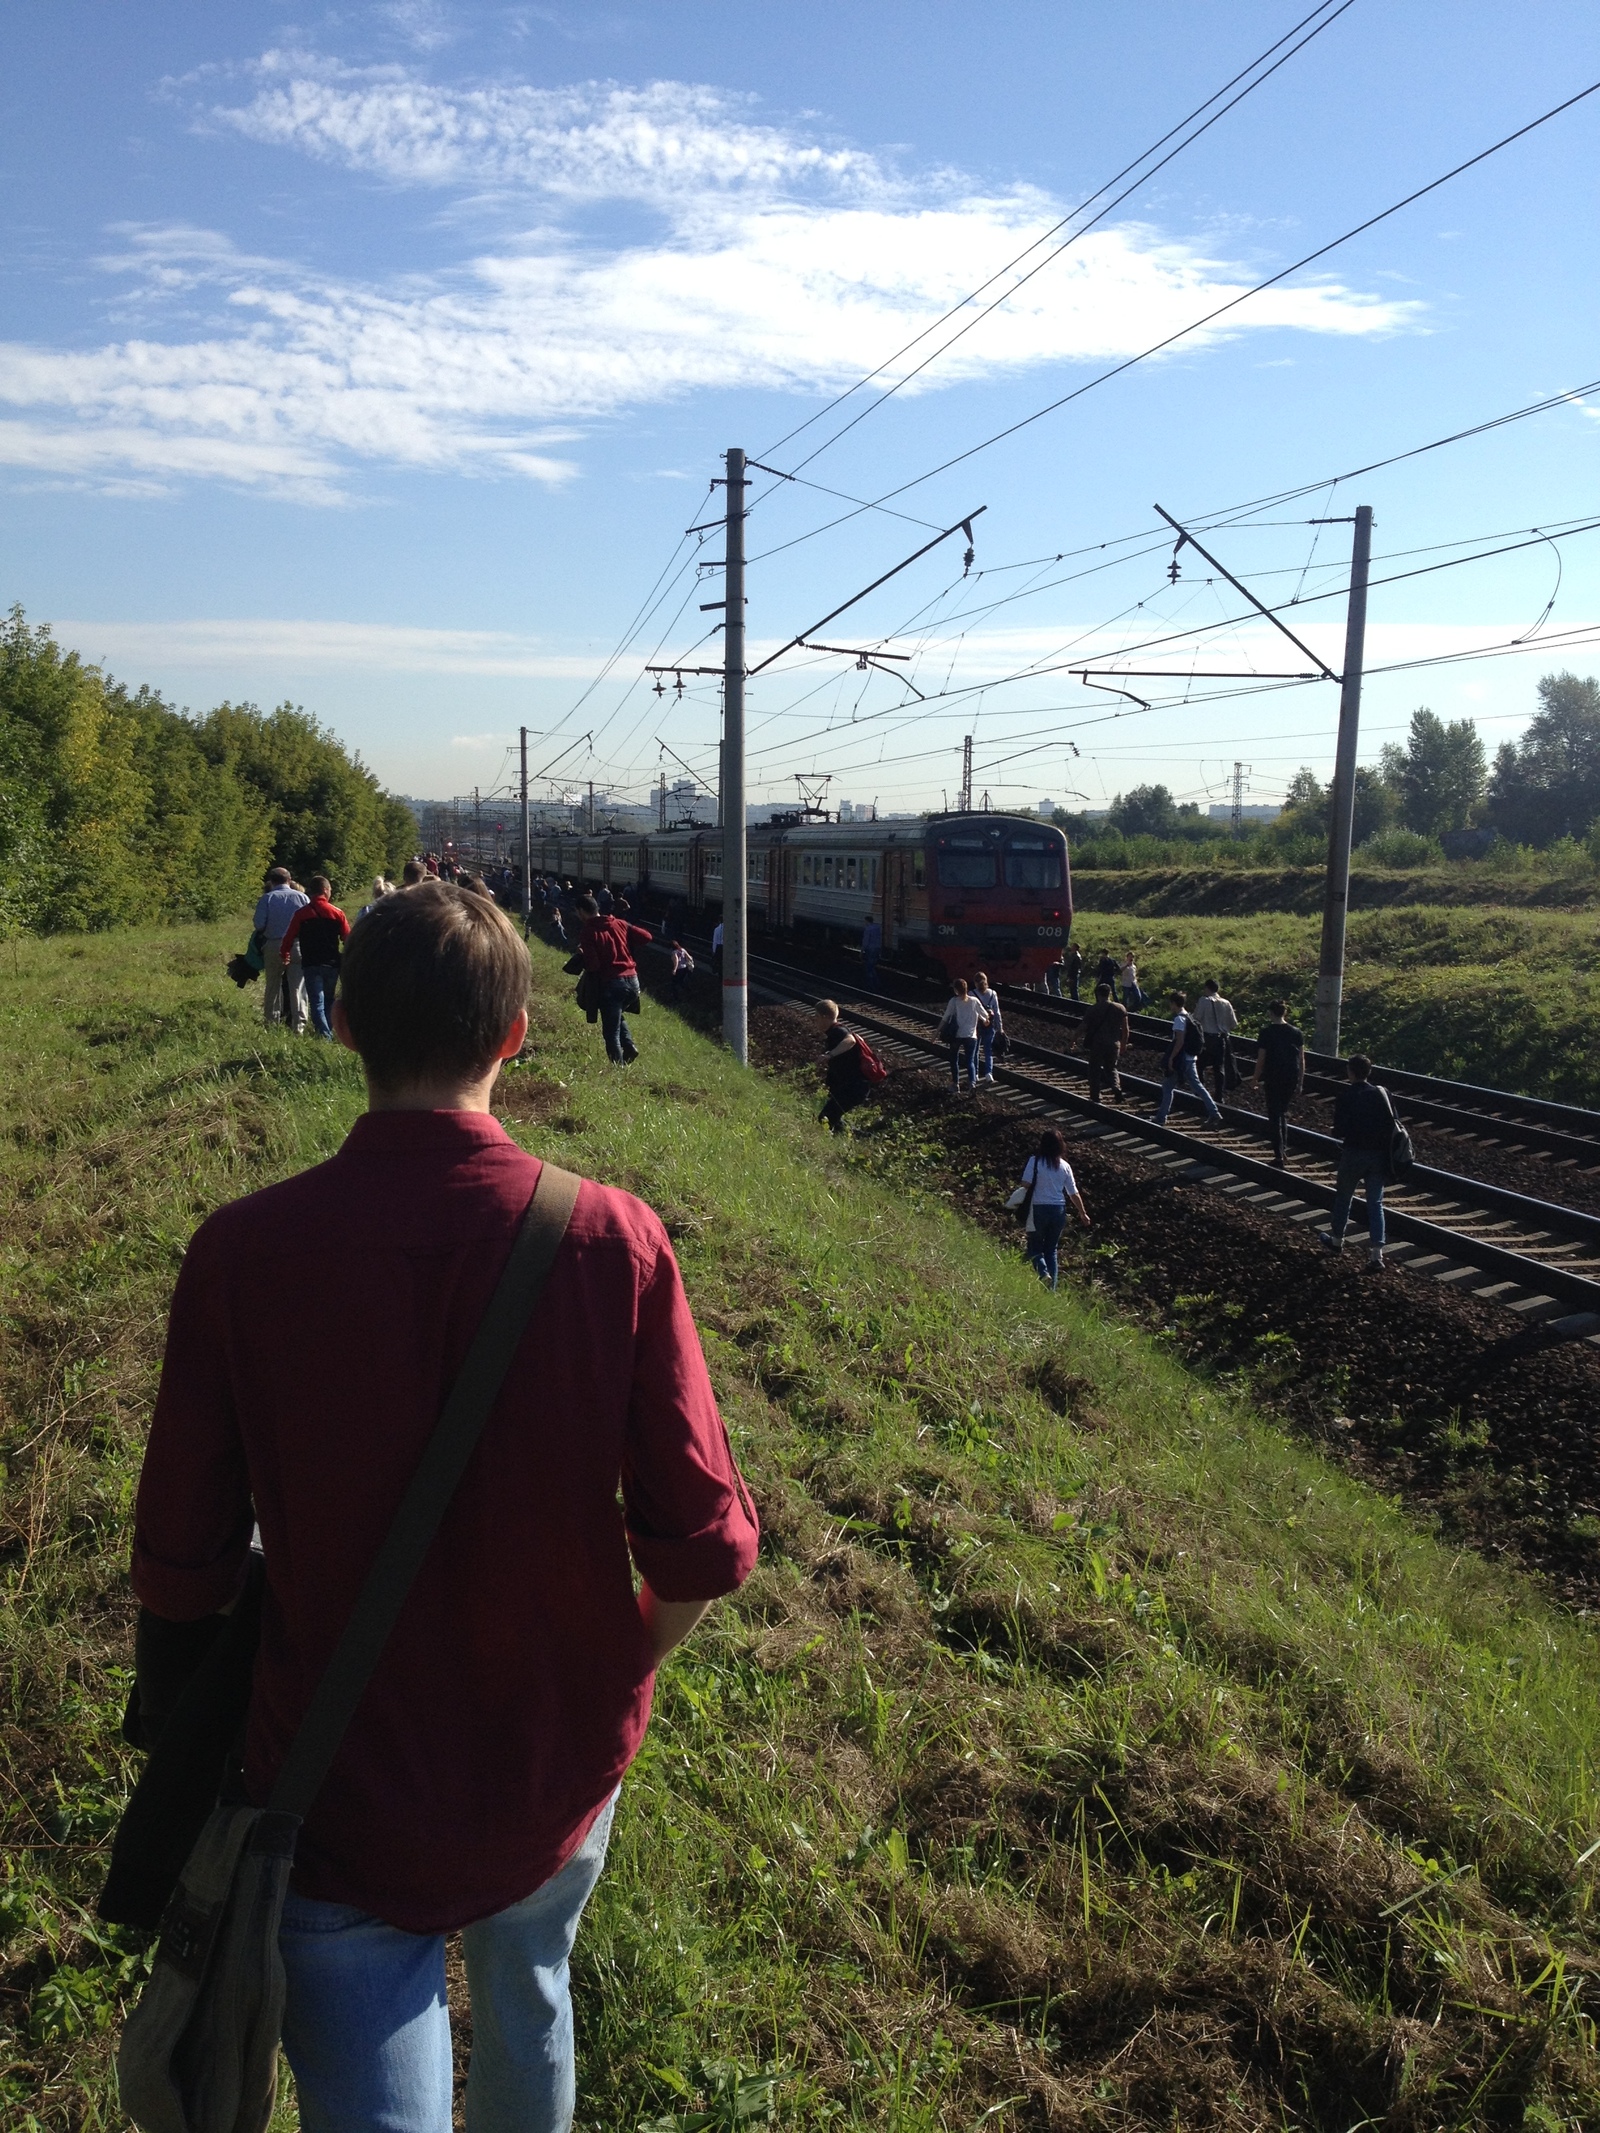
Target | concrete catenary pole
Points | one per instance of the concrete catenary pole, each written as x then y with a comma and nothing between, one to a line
1342,799
527,846
735,962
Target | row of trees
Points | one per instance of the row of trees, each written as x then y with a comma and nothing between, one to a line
1542,788
114,806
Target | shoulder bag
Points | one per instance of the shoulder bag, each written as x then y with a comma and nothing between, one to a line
199,2053
1399,1157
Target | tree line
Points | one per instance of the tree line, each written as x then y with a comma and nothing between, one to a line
116,807
1541,791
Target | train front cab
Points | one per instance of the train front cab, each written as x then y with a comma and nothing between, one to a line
999,896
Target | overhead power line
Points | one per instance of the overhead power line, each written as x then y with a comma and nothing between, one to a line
1044,238
1271,281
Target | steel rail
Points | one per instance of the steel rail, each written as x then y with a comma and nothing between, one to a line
1528,1268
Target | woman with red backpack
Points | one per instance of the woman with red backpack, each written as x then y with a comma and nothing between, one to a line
850,1065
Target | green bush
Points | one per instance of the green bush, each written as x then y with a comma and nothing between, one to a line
1402,848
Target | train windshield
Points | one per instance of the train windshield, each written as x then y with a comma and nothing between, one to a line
966,863
1033,863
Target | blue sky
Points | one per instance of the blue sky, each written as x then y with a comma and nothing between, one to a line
377,358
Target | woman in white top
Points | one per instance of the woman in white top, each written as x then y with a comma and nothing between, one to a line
989,1000
959,1027
1132,997
1052,1188
382,886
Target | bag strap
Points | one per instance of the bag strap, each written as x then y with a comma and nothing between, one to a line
467,1409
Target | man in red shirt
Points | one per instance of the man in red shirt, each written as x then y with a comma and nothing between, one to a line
321,928
476,1785
606,946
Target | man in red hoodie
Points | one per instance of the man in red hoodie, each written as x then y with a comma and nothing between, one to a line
321,928
606,946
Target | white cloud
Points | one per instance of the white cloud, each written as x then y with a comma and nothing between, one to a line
784,265
596,140
376,647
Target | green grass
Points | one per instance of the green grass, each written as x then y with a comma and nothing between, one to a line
1507,998
1080,1754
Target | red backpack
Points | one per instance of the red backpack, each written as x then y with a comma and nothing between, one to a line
872,1067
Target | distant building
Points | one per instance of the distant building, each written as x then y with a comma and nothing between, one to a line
1222,811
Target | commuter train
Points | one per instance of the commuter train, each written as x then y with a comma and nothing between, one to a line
960,893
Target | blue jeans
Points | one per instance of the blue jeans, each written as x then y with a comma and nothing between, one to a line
620,993
1048,1223
986,1039
1361,1167
366,2029
963,1059
1185,1072
321,978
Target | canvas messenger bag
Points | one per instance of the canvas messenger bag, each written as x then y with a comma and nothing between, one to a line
199,2053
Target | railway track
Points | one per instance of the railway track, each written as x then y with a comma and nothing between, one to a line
1491,1117
1537,1257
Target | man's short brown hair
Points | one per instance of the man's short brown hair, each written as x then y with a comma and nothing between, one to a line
431,982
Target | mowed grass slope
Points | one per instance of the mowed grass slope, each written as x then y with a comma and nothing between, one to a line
1081,1754
1506,998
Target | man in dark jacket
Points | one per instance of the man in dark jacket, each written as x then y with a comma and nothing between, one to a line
320,928
1280,1074
1105,1039
606,946
1363,1119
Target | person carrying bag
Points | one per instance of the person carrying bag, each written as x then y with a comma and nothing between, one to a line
199,2053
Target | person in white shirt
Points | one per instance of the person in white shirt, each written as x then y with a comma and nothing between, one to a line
1216,1018
1050,1189
1128,973
1183,1050
989,1000
958,1028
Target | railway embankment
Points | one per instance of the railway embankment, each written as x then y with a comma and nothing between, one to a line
1087,1750
1219,892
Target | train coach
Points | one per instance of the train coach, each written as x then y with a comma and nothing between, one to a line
960,893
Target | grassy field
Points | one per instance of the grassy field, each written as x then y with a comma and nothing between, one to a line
1503,997
1219,892
1081,1754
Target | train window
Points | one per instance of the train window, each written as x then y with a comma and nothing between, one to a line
850,872
966,870
1031,863
919,870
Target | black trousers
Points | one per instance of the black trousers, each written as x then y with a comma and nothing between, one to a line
1216,1061
832,1113
1103,1072
1280,1095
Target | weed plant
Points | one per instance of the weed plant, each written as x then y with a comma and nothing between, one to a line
1081,1754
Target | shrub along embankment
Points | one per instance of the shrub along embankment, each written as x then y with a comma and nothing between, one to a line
1080,1754
1500,997
1170,892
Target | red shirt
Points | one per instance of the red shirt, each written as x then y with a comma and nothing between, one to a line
515,1689
606,945
324,926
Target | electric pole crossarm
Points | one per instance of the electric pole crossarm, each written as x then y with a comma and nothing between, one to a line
962,525
1321,665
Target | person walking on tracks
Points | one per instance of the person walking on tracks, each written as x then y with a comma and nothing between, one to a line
1106,1033
1280,1075
991,1031
1107,970
1128,972
1364,1121
316,933
1070,967
606,947
1048,1189
958,1028
871,949
1181,1063
1217,1022
283,980
475,1787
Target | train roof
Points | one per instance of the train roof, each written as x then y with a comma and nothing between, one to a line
911,828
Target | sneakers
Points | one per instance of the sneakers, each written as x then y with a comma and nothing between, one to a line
1375,1260
630,1055
1334,1244
984,1081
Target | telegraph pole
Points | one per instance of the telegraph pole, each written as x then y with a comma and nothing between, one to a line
477,829
1342,799
735,959
527,846
1238,799
965,798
